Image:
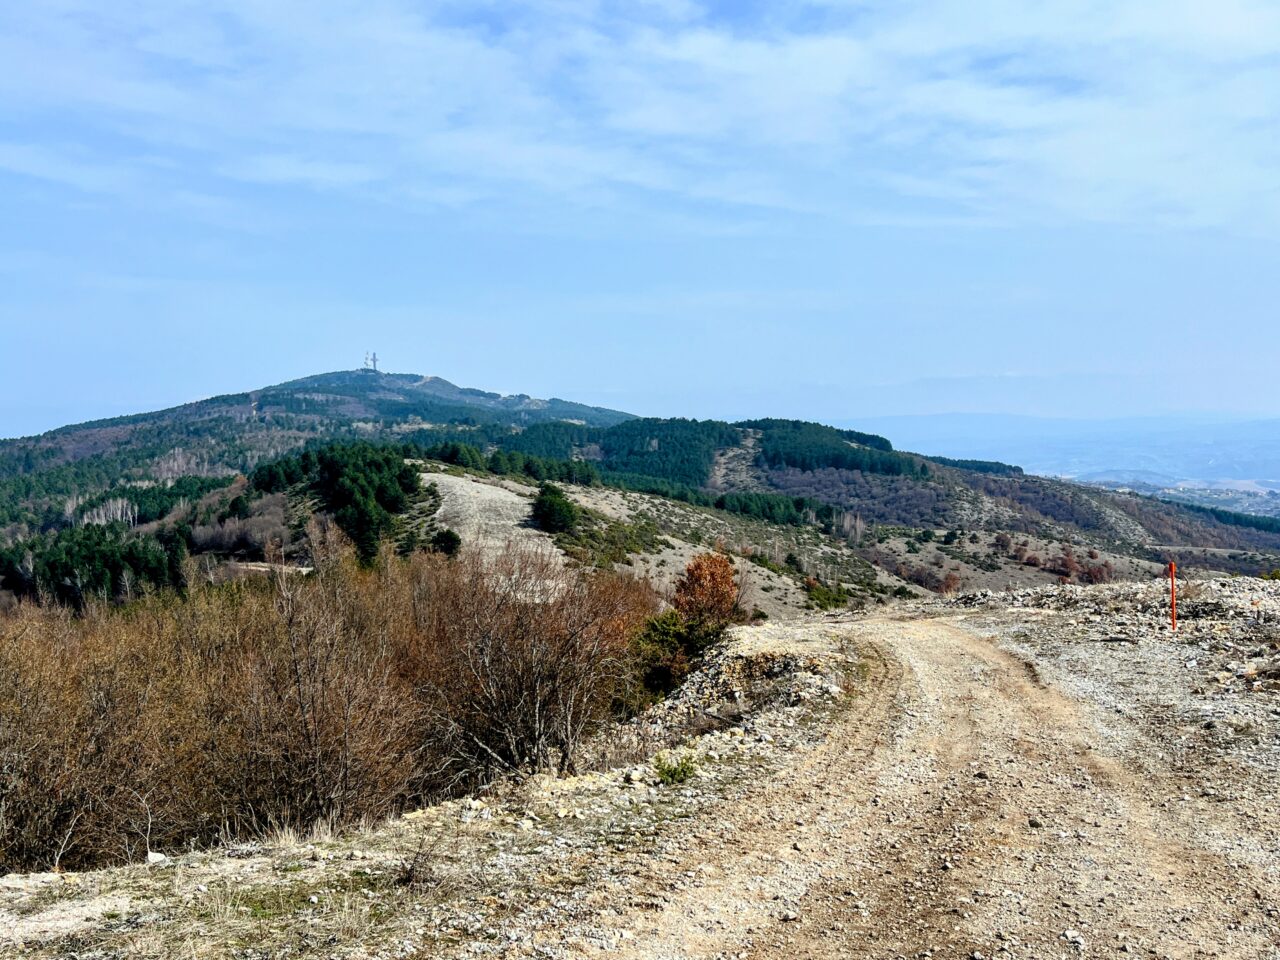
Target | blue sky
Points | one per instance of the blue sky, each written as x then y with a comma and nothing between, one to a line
828,210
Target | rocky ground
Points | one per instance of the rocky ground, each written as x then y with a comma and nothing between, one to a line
490,514
1114,646
1047,773
495,512
497,874
776,594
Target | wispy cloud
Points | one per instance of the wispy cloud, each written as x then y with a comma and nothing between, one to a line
993,110
60,166
321,174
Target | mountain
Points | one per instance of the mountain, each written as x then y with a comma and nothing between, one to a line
232,433
935,522
328,401
369,394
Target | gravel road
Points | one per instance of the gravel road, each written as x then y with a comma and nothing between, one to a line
964,809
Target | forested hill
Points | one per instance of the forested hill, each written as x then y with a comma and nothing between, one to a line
134,469
44,477
403,397
51,480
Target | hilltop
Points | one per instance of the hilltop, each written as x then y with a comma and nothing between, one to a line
236,431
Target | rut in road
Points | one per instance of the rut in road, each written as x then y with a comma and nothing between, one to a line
961,808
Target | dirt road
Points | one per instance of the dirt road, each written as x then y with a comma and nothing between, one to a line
961,809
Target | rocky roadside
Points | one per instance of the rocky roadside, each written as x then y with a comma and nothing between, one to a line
1043,773
1195,714
1215,682
1235,618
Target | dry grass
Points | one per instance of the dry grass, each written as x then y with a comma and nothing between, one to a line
298,704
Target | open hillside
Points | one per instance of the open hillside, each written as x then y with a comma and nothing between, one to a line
104,507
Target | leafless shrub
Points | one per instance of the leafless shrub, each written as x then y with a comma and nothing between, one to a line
417,868
1098,573
920,576
518,657
290,701
249,537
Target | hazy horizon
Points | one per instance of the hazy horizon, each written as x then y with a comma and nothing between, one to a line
887,423
799,209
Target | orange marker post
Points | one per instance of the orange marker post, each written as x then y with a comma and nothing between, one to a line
1173,594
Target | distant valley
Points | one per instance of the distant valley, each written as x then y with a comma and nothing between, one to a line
1148,452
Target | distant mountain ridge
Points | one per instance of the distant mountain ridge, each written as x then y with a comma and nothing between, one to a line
355,393
783,471
1160,450
400,394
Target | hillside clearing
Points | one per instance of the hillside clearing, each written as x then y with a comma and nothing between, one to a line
488,515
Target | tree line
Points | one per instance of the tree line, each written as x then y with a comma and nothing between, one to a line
979,466
775,425
813,446
76,565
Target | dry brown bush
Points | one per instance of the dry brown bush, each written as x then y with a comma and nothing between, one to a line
335,697
920,576
519,657
1098,572
708,594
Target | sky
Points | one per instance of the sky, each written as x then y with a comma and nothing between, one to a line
829,210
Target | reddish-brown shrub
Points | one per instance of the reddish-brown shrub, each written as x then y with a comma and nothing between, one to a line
920,576
1066,565
707,593
515,658
1098,573
336,696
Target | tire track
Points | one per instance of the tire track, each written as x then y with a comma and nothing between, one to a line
962,809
